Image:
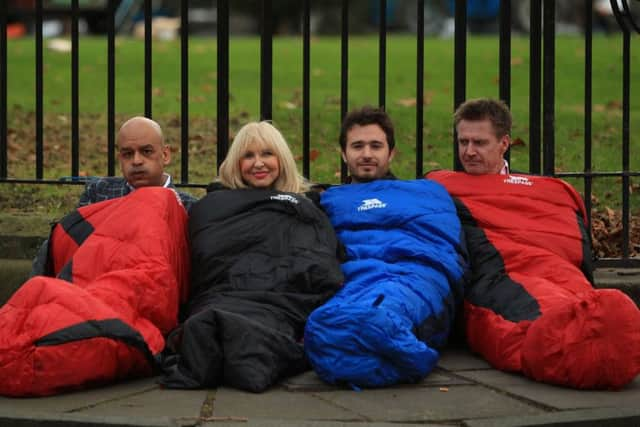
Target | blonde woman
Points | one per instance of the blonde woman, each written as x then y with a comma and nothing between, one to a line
259,157
263,256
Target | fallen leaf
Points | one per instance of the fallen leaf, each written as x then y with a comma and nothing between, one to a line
517,142
615,104
407,102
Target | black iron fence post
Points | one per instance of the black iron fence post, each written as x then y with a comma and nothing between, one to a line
111,88
223,81
184,90
460,68
382,58
542,91
549,87
4,146
266,61
39,92
588,99
148,84
420,89
306,89
505,57
75,95
344,74
535,85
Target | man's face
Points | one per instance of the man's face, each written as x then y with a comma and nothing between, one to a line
142,155
367,153
479,149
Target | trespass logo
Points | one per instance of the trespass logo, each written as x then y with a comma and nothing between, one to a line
285,198
368,204
518,180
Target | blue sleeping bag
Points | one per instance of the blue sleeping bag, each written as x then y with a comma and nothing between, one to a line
404,277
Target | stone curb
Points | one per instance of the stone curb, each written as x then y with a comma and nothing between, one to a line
600,417
78,420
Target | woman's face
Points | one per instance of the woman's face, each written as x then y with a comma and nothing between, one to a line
259,166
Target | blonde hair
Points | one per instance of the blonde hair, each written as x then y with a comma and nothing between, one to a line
266,134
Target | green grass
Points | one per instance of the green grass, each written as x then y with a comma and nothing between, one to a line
482,80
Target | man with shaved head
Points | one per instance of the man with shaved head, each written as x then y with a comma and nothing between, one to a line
143,156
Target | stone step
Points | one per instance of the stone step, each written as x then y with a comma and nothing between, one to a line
13,273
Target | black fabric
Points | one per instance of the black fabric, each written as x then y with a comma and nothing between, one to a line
490,286
76,227
261,262
587,256
108,328
66,272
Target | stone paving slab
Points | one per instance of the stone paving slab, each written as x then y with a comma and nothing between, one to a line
279,404
419,404
461,359
559,397
309,381
157,402
76,401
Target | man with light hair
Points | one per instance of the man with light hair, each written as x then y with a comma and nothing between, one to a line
143,156
530,306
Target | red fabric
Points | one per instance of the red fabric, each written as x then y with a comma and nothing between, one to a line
133,267
582,337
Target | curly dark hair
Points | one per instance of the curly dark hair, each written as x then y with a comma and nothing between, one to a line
496,111
367,115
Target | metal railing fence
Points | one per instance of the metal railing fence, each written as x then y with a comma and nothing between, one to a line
542,72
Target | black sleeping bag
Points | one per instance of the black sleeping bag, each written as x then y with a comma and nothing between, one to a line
261,262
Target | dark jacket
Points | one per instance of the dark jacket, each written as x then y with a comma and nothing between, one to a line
261,262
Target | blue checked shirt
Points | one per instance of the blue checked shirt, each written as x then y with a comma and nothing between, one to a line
107,188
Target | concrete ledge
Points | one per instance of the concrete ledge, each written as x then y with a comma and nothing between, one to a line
627,280
20,247
13,273
599,417
79,420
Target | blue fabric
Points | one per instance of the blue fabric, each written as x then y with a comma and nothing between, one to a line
403,277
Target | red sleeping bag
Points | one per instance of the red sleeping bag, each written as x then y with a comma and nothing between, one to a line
121,270
530,306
